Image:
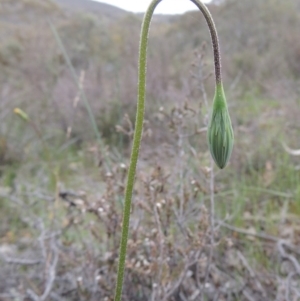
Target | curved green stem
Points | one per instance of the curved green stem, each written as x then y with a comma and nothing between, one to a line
139,124
214,38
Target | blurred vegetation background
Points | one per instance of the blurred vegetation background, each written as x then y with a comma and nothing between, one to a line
71,65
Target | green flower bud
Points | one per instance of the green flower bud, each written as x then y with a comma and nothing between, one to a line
220,133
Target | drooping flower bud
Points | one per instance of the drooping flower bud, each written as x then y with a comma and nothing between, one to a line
220,132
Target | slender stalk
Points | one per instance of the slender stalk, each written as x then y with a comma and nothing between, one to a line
214,38
139,124
136,145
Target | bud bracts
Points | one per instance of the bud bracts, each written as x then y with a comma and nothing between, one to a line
220,132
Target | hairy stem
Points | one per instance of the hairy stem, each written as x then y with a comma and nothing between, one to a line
214,38
136,145
139,124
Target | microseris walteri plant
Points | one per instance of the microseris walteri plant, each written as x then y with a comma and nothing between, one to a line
220,134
